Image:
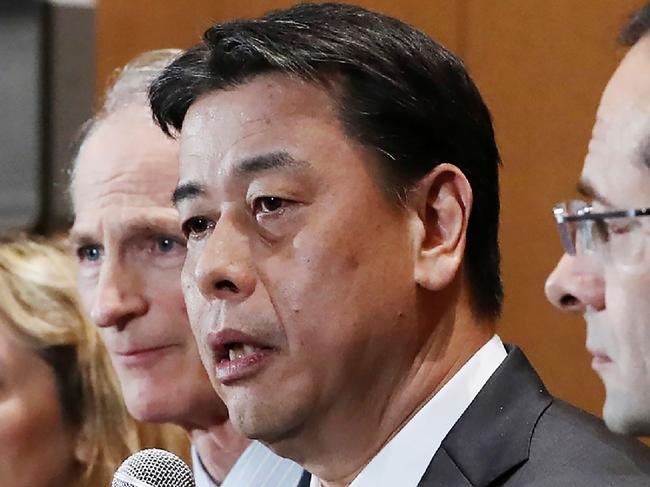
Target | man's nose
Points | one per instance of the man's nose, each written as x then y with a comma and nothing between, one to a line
120,296
224,269
575,284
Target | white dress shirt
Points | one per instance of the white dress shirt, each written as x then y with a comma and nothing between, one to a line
201,476
256,467
407,455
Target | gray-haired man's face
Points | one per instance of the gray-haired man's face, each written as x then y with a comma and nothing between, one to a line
130,248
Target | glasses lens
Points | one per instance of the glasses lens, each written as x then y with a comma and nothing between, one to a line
587,236
576,236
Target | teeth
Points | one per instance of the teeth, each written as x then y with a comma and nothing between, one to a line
235,352
238,351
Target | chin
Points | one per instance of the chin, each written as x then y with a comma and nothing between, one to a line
148,410
257,428
272,426
148,403
625,414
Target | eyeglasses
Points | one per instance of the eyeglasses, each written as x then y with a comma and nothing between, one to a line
582,231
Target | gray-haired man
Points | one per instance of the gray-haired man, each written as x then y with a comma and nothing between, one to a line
130,249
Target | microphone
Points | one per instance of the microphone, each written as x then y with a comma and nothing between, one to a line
153,468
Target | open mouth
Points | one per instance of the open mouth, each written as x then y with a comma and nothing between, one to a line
237,355
239,351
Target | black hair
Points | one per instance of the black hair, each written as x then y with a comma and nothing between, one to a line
636,27
401,95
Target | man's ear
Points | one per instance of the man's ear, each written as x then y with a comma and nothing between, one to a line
443,201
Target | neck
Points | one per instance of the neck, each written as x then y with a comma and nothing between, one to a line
216,442
338,448
202,414
219,446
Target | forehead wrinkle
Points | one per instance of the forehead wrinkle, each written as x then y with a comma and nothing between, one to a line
252,132
129,165
164,220
261,119
199,156
125,185
248,135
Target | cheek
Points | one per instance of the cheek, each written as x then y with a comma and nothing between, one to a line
316,277
38,447
16,425
628,309
189,285
165,282
87,290
166,293
341,288
195,307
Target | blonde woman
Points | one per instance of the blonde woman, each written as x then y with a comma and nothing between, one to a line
62,418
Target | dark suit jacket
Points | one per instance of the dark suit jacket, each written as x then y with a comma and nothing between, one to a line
516,434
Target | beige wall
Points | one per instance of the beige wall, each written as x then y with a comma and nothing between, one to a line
540,64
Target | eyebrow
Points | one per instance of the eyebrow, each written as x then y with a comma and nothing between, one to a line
187,191
245,168
78,239
267,162
137,227
585,189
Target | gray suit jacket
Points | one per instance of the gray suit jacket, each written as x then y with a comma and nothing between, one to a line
516,434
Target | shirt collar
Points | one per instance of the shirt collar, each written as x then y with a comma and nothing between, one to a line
406,456
201,476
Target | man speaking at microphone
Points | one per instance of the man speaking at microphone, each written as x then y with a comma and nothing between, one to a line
130,249
339,194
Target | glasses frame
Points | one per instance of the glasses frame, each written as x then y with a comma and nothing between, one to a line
563,217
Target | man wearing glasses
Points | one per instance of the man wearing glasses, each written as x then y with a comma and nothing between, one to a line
605,272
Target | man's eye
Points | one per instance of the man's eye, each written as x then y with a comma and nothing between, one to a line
620,227
89,253
601,230
267,204
197,227
166,245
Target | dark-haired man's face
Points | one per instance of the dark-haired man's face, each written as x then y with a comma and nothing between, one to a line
611,289
299,273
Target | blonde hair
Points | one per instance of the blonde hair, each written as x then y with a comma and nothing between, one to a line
38,296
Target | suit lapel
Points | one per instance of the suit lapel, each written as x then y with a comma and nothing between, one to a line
492,438
443,471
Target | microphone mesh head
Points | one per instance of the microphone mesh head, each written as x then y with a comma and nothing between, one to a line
153,468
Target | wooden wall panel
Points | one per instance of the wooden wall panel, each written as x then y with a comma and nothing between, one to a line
127,27
541,65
